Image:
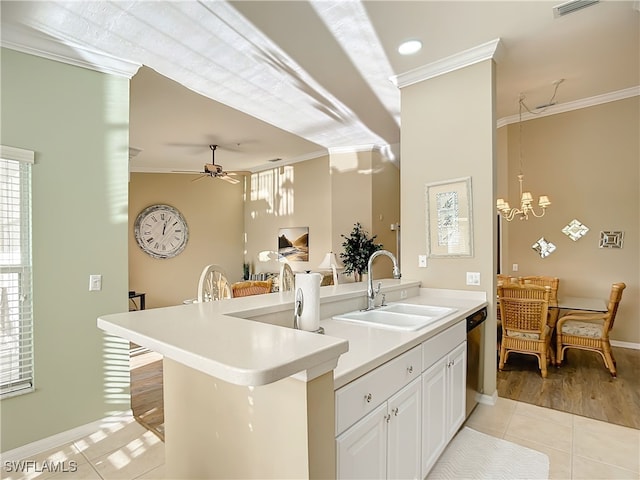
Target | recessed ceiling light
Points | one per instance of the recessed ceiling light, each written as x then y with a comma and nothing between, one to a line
409,47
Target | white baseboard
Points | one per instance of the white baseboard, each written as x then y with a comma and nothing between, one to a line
618,343
487,399
31,449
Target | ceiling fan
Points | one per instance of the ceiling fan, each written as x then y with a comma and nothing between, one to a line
216,171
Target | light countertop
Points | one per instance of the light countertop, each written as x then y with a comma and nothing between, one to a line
370,347
210,337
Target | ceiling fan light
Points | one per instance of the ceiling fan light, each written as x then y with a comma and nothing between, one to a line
410,47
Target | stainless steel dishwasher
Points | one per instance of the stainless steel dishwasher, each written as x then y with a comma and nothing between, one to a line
475,357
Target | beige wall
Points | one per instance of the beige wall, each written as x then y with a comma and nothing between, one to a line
365,188
329,195
385,208
297,195
448,130
213,211
587,162
77,122
351,194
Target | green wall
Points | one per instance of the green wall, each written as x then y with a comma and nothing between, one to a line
77,122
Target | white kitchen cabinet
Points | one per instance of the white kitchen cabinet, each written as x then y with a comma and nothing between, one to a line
361,451
443,404
395,421
405,429
385,443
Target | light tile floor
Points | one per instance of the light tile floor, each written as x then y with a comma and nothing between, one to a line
578,447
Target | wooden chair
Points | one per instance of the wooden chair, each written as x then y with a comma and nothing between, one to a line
544,281
502,279
589,330
287,278
251,287
524,310
213,284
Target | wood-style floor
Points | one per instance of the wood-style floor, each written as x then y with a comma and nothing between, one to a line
582,386
147,400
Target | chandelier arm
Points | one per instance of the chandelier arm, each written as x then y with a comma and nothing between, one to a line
536,215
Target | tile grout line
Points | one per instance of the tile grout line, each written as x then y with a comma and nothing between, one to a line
93,467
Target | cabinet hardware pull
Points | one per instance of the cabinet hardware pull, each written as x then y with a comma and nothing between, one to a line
387,418
410,369
395,411
368,397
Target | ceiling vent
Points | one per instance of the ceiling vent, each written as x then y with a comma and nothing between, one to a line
570,7
133,152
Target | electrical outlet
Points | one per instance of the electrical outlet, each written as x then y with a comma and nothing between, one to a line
422,261
514,267
473,278
403,294
95,283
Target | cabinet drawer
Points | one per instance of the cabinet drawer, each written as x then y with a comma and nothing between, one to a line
355,400
437,347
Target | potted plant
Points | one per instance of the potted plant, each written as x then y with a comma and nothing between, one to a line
358,247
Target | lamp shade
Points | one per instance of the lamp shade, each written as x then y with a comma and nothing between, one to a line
330,262
269,255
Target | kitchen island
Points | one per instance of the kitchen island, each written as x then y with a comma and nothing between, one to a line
247,396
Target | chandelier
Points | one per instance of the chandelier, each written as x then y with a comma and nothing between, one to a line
526,199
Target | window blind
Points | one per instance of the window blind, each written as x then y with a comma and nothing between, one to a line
16,305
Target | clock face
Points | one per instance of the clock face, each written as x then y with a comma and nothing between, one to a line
161,231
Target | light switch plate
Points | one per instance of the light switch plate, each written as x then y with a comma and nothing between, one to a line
95,283
422,261
473,278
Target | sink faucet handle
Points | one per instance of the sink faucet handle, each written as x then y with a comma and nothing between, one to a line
378,287
384,300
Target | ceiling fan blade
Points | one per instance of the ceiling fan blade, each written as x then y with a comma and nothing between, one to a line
200,177
227,178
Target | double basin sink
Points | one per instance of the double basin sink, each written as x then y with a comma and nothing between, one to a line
398,316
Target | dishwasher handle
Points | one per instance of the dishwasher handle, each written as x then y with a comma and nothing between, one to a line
476,319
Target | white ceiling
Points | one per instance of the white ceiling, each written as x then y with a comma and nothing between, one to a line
290,80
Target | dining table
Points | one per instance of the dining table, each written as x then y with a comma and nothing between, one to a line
587,304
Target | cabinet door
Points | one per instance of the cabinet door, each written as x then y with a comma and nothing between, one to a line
434,414
362,449
405,429
457,380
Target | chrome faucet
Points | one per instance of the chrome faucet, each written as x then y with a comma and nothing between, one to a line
371,293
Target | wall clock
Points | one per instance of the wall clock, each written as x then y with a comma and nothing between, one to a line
161,231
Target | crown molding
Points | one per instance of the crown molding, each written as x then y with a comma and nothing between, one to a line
353,149
486,51
570,106
35,43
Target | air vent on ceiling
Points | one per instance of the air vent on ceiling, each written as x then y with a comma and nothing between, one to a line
570,7
133,152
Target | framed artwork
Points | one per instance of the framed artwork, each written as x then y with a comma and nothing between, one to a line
543,247
575,230
449,218
293,243
611,239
